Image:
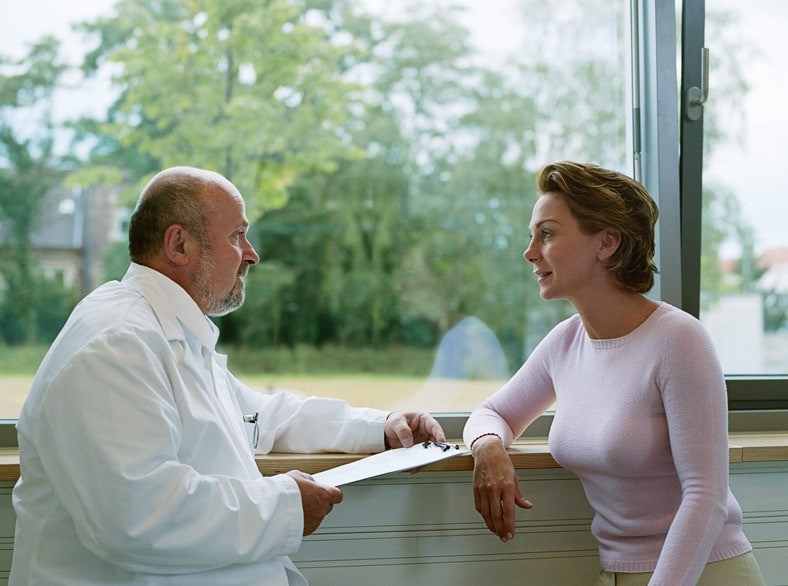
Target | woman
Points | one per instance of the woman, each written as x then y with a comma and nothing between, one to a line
641,409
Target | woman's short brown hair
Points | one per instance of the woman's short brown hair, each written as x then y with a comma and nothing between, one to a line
603,199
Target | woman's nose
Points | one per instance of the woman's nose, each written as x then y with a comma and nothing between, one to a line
529,254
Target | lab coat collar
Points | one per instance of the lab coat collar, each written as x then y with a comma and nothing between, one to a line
174,307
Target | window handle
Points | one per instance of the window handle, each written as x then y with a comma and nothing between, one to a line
697,96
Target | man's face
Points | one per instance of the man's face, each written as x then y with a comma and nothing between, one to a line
218,278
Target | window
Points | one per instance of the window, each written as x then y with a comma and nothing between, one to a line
744,296
738,291
419,245
393,152
392,270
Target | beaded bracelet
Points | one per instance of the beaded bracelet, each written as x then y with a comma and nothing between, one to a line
484,434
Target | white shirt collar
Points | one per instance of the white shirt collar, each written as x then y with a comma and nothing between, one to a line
174,307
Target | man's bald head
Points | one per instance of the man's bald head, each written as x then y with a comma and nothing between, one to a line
172,196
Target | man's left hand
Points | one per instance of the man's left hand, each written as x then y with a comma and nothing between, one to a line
402,430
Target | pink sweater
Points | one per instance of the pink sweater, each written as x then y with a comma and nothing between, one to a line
642,421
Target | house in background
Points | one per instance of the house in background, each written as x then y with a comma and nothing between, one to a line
72,233
775,262
736,321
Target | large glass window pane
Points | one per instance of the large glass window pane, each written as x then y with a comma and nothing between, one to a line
387,151
744,272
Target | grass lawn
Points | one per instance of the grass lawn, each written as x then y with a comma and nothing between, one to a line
263,369
362,390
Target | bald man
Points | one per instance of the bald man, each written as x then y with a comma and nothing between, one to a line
137,444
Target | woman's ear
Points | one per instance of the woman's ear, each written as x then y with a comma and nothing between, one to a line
609,243
177,244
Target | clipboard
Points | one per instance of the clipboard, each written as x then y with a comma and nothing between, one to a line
395,460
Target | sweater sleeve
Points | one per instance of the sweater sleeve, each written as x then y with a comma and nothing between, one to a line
523,398
694,398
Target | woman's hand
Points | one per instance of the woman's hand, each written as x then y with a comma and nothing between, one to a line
496,489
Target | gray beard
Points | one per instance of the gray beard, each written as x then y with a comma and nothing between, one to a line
207,299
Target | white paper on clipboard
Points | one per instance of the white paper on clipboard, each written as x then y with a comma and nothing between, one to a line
395,460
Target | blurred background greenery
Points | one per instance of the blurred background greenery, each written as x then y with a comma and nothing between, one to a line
387,162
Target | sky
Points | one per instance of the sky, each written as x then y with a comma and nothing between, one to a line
754,170
23,22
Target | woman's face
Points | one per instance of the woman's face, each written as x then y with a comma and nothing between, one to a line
566,261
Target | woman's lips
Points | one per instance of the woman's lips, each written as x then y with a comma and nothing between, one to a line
541,275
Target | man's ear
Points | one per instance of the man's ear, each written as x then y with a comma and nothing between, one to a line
178,243
611,240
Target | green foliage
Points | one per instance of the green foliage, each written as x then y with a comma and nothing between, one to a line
53,304
32,78
329,359
775,310
21,360
389,173
723,221
88,176
249,89
247,360
116,261
27,175
50,303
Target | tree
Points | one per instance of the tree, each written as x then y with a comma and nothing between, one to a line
249,89
722,219
347,279
27,173
395,168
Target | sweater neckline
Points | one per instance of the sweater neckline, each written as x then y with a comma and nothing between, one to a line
620,341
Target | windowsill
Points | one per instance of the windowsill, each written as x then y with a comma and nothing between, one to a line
527,454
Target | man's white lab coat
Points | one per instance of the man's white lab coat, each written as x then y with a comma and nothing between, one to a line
136,462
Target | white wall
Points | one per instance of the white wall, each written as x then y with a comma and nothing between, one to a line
414,530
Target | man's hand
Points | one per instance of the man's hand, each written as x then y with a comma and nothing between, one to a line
402,430
496,490
317,499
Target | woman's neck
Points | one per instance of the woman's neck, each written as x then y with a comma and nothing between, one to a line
616,314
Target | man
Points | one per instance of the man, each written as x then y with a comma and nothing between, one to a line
137,444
